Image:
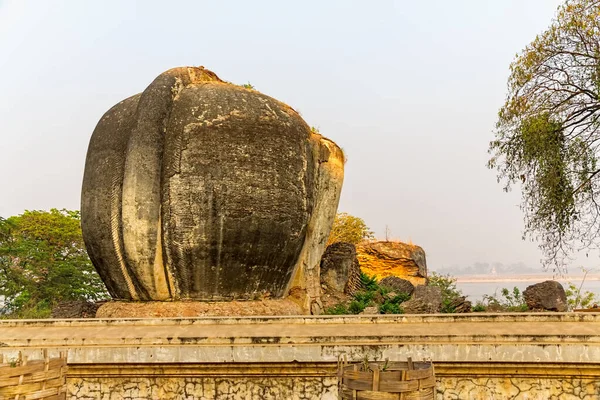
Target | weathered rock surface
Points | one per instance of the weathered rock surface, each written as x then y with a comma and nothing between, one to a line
424,300
398,285
200,189
384,259
339,268
461,305
75,309
371,310
548,295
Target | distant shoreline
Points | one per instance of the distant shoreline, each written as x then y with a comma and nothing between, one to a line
523,278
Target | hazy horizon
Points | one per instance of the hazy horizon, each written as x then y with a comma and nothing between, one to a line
409,90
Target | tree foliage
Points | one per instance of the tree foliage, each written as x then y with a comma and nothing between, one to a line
348,228
547,134
43,261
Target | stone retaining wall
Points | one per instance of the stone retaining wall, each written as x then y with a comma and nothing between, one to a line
478,356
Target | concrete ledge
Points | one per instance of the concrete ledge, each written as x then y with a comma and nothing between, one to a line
552,337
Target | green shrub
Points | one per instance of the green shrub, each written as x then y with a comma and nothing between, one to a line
449,290
392,305
364,297
512,301
390,308
338,309
369,283
356,307
577,299
478,307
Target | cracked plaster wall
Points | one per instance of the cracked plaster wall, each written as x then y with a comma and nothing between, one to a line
188,388
325,388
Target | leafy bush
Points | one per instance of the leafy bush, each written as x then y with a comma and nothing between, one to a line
449,290
369,283
577,299
338,309
390,308
508,301
356,307
392,305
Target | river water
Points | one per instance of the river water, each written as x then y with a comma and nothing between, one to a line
476,289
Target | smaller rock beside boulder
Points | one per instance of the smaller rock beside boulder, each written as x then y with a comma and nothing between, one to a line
460,305
424,300
339,268
75,309
548,296
398,285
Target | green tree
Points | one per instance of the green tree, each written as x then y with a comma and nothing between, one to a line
43,261
348,228
547,134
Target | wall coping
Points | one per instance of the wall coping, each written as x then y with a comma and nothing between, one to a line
320,319
467,338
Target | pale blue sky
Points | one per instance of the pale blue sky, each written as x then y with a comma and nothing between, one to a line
409,89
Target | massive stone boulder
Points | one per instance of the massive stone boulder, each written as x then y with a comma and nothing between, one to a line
548,295
200,189
403,260
339,268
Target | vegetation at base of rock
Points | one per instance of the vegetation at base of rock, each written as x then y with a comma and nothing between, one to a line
547,133
578,299
338,309
43,262
369,283
450,293
371,294
348,228
507,300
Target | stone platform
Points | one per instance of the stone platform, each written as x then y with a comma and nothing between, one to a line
476,356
